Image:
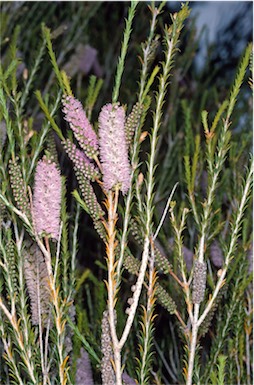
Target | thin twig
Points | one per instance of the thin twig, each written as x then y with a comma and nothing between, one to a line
40,322
58,252
233,240
165,211
112,201
19,337
136,143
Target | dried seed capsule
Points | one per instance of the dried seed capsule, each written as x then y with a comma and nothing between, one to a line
164,299
132,122
107,371
19,187
89,197
80,160
199,282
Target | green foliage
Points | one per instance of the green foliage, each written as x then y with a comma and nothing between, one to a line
181,130
126,37
46,35
231,318
83,341
92,94
239,79
48,115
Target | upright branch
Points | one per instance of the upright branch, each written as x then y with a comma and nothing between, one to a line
116,174
116,177
112,200
171,40
148,51
215,164
126,38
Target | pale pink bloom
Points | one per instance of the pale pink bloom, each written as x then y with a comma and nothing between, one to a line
113,148
47,199
80,125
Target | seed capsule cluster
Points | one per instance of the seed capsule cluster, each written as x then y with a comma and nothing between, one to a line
12,265
18,187
89,197
160,260
80,161
132,122
164,298
199,282
107,371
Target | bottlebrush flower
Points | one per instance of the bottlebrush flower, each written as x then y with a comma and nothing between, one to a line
47,199
82,129
80,160
37,281
113,148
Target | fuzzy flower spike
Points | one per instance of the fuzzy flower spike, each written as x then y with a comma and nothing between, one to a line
113,148
80,125
47,199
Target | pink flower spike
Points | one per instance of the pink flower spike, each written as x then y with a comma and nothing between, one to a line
80,125
113,148
47,199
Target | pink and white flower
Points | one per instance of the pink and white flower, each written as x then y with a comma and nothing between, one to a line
113,148
47,199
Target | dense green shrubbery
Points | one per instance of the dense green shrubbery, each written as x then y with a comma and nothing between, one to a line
173,302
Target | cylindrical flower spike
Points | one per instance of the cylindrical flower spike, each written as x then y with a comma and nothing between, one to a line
37,281
113,148
80,125
47,199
